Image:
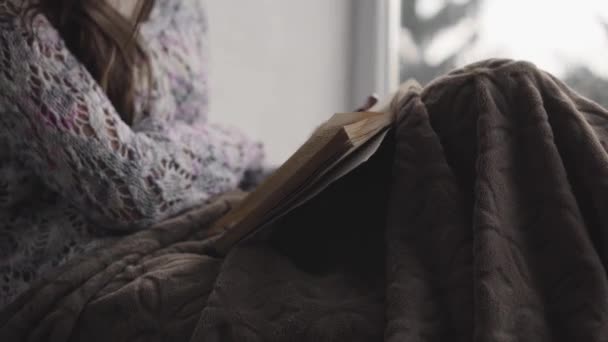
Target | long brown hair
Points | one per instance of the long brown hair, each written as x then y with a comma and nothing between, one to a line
105,41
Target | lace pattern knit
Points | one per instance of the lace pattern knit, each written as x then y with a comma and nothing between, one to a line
72,173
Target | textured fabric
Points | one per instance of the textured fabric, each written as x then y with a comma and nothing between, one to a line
71,171
481,219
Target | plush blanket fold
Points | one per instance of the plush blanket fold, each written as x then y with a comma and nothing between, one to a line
480,219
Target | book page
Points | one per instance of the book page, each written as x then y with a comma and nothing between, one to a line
327,144
337,170
303,176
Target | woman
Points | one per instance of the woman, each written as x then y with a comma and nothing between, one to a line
103,128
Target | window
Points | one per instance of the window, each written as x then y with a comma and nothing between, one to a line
567,38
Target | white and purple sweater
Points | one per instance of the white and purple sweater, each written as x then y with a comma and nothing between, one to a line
71,170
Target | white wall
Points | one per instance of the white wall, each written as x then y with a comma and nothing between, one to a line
279,67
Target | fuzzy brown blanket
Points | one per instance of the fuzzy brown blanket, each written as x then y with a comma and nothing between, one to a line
482,218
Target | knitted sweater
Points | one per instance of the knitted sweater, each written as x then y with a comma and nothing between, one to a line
72,173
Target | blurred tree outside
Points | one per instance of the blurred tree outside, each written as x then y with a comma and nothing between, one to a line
436,39
587,83
418,32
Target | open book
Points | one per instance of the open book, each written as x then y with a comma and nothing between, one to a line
337,147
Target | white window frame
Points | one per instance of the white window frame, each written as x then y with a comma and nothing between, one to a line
376,27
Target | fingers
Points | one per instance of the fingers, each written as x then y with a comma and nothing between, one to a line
369,103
